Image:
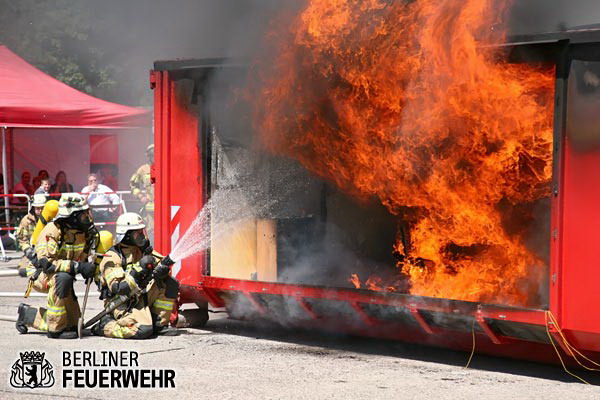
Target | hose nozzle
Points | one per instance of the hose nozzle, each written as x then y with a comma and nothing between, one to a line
168,261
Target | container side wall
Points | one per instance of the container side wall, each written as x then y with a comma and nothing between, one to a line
580,297
178,171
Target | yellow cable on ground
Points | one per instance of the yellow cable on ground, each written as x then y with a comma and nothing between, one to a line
558,353
473,349
569,346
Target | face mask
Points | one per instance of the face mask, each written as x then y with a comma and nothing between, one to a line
137,238
84,220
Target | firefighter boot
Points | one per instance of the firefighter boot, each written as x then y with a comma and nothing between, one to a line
66,334
164,330
98,329
26,317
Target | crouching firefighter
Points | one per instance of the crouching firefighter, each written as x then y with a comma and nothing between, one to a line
130,277
24,232
62,251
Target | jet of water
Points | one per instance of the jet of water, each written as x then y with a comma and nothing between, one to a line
238,196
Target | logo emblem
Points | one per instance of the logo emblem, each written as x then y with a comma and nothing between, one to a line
32,370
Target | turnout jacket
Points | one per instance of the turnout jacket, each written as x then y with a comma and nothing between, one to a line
60,248
117,265
25,230
141,185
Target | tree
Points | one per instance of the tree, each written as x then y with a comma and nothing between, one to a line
61,38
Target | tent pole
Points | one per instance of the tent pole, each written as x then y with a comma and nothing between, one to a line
5,175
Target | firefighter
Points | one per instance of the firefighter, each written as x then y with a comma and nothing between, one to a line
62,250
24,232
141,187
130,269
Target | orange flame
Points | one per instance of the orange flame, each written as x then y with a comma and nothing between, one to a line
355,280
411,102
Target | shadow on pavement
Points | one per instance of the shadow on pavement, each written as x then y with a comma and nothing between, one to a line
323,343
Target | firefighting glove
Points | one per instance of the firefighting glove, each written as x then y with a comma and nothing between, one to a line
46,265
148,249
30,254
120,288
86,269
161,271
143,275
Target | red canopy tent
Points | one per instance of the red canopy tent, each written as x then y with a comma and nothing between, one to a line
31,99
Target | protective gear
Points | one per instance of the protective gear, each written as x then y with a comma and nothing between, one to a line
128,222
161,271
86,269
105,242
30,254
62,335
98,329
26,317
56,249
46,266
147,262
23,233
162,330
39,200
70,203
48,213
79,220
124,264
142,188
141,276
136,238
120,288
63,285
150,150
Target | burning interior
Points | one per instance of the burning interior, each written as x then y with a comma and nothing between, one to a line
395,147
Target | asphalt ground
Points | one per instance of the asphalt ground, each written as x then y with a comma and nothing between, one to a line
230,359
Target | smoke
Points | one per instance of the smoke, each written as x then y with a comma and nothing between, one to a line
137,33
537,16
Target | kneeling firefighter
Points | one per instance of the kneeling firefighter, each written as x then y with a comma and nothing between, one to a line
24,232
62,251
129,270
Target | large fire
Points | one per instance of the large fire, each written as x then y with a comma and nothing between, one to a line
412,103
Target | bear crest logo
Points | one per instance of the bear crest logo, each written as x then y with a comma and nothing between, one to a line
32,370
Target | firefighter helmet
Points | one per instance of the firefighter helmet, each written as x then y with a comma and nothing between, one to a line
150,149
128,222
39,200
70,203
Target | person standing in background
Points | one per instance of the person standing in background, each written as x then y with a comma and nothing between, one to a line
142,188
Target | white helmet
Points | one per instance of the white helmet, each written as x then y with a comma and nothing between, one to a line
128,222
69,203
39,200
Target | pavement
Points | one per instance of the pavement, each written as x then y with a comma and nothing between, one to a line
230,359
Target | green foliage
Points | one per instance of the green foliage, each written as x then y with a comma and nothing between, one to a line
63,39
